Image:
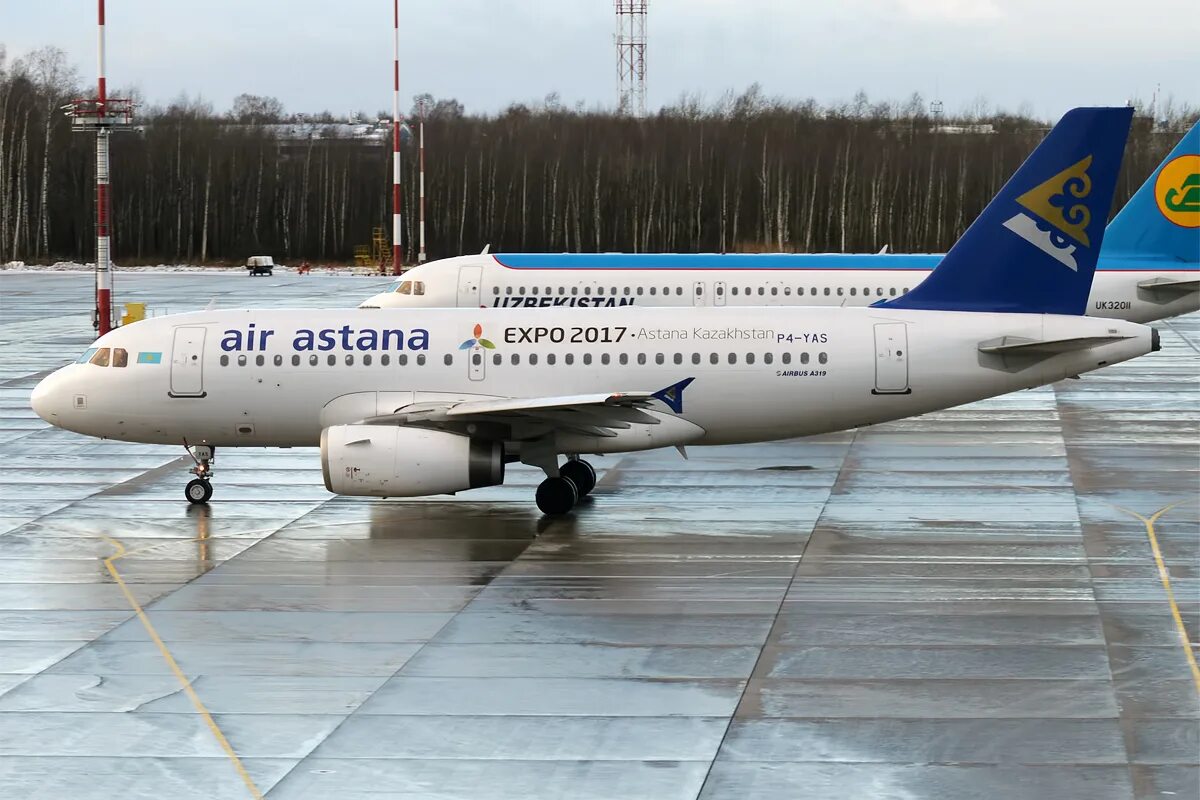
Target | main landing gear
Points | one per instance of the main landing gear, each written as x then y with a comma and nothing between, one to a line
558,494
199,490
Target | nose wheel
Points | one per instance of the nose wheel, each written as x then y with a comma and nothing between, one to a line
199,489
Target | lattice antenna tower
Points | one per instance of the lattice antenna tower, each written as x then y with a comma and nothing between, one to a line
631,56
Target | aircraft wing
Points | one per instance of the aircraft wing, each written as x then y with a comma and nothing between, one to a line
600,414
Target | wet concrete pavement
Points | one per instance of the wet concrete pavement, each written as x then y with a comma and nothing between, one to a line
966,604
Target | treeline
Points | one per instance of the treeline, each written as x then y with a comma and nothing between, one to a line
744,173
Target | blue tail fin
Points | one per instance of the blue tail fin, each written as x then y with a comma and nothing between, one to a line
1034,248
1162,219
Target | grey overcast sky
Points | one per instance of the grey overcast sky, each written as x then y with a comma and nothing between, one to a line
336,54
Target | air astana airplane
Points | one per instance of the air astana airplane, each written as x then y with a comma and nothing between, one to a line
411,402
1149,268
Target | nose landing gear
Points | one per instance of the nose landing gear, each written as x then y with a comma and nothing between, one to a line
199,490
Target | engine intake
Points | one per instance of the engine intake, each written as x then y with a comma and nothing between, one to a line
395,461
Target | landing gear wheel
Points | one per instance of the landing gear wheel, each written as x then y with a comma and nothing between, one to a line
556,496
198,491
581,474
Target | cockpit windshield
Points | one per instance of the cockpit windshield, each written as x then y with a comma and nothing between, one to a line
105,357
410,287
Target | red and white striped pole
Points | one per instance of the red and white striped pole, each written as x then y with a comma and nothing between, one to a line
103,266
396,221
421,222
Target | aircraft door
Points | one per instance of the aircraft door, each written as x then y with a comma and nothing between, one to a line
698,294
477,363
468,286
719,293
187,362
891,358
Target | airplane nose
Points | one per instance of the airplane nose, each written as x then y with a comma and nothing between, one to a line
46,399
372,302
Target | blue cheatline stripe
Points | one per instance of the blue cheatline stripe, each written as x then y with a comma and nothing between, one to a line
780,261
149,358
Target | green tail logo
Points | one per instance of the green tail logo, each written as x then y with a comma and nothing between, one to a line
1185,197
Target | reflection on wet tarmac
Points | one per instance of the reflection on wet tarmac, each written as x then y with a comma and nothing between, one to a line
943,607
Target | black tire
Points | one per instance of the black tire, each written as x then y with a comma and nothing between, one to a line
581,474
198,491
556,496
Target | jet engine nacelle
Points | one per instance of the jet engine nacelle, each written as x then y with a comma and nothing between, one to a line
395,461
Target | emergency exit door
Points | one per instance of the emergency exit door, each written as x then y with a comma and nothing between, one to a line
719,293
187,362
468,286
891,358
698,294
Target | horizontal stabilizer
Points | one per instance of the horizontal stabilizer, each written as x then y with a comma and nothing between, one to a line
1171,285
1019,345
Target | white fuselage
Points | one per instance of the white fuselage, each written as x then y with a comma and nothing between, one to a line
1121,289
278,378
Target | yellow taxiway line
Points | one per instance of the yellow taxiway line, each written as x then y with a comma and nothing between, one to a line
174,665
1164,576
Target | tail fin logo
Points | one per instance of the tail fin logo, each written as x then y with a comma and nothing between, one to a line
1058,217
1177,191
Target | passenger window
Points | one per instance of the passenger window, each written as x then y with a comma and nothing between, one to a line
224,360
659,358
260,360
774,291
733,358
840,291
626,291
587,290
768,358
533,359
787,290
749,358
87,356
508,290
653,290
550,359
713,358
853,291
242,360
827,291
804,358
497,359
120,357
366,360
279,360
786,358
332,360
495,290
448,359
420,359
799,291
522,290
891,291
639,291
550,290
312,360
476,358
733,291
695,358
679,358
761,291
699,291
879,291
623,359
604,359
574,290
349,360
587,358
822,358
678,290
569,359
904,290
402,359
101,357
866,292
813,292
385,359
295,361
516,359
533,290
641,359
